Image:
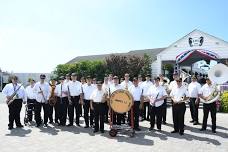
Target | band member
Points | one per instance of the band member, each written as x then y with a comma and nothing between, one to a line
15,94
156,96
83,81
205,92
136,92
105,88
110,79
52,97
126,83
67,80
94,82
116,86
140,80
87,90
146,106
164,82
31,98
193,91
75,94
61,92
178,95
97,104
42,92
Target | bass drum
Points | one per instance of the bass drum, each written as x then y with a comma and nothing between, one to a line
121,101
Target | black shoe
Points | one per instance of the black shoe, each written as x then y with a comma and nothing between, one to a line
202,129
213,131
10,127
78,125
20,126
137,129
195,123
37,125
95,131
181,133
69,125
45,125
102,131
164,123
174,131
50,122
151,128
86,126
191,121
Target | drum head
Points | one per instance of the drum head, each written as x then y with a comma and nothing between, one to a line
121,101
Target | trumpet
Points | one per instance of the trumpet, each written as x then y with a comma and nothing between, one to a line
13,96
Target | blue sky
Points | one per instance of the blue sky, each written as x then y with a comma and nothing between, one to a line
38,35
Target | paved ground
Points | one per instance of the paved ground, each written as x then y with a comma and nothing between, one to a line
69,139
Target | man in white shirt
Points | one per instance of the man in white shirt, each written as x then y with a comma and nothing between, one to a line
156,95
31,99
137,94
67,80
97,104
146,106
205,92
193,91
61,92
42,92
110,79
87,90
75,95
179,95
116,86
126,83
14,92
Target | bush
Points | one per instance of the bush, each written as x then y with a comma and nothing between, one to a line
224,102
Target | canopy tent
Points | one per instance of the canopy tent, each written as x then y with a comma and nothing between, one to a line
191,56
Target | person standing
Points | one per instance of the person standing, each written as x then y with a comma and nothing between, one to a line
105,88
75,93
178,95
205,92
87,90
137,94
193,91
156,96
15,95
42,92
31,98
98,106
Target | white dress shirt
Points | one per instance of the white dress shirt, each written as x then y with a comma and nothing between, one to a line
115,87
136,92
178,93
156,92
125,84
46,92
88,90
173,84
145,86
105,88
97,95
60,89
9,89
30,92
75,88
193,89
207,90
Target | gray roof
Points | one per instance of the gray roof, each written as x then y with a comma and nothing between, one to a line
151,52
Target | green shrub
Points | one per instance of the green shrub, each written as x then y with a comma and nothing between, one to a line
224,102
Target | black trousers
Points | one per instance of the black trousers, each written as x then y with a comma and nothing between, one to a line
136,112
31,107
99,110
164,111
156,113
178,116
57,110
50,113
38,107
75,105
106,109
88,113
14,112
62,108
194,109
211,107
146,110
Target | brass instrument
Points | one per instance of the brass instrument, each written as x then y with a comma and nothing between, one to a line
13,96
52,99
68,95
45,101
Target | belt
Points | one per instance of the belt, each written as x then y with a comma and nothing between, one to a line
98,102
74,96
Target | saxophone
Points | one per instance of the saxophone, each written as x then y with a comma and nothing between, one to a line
52,100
